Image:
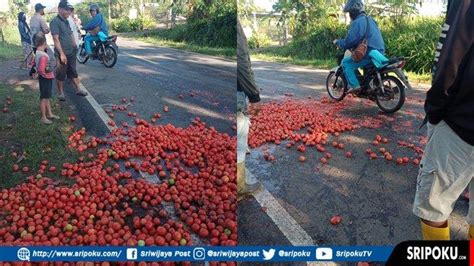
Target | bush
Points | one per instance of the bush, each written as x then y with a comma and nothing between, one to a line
127,25
415,40
215,32
121,25
319,44
177,34
147,22
258,40
219,31
135,24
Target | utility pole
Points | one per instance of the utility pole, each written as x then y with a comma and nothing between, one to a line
108,2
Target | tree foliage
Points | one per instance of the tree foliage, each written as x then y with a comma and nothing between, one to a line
304,15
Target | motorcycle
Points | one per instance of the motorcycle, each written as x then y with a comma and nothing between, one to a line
379,85
106,51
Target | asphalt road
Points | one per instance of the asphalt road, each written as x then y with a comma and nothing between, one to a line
191,85
373,197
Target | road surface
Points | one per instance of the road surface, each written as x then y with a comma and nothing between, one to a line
189,84
373,197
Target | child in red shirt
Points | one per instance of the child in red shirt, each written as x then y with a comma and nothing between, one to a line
45,77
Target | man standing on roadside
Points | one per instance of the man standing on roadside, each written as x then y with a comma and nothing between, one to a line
38,23
447,166
65,50
246,90
74,28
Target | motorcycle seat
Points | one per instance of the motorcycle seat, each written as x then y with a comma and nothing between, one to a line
393,60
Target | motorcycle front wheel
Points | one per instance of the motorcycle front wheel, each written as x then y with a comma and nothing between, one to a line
336,86
110,56
82,55
392,98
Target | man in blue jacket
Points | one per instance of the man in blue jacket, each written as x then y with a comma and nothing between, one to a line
97,28
355,36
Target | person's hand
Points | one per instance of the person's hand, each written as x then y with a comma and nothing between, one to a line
63,58
256,108
334,42
34,75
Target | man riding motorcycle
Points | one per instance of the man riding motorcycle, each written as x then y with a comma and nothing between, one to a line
97,28
355,35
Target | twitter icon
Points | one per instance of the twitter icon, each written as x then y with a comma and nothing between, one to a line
268,255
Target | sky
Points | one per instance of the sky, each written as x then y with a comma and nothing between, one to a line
267,4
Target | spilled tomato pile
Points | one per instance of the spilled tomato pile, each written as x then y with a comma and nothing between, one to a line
277,122
309,124
192,198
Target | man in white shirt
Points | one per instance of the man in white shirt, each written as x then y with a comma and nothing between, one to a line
74,27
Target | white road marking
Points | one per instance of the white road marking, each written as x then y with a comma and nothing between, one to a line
98,109
287,225
153,178
282,219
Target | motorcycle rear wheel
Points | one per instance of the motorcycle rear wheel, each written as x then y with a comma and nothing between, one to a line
109,57
394,93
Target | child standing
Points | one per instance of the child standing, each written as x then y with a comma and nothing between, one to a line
45,77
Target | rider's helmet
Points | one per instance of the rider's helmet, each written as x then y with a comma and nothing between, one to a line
94,7
354,7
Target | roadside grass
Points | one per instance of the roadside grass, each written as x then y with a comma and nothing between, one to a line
22,132
317,63
10,49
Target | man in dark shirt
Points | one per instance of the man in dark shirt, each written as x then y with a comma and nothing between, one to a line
447,166
246,89
65,49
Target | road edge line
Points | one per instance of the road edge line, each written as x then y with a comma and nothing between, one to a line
282,219
97,108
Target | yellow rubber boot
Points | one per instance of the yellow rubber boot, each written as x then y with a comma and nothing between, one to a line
434,233
471,232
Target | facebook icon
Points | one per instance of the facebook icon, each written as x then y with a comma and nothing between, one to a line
132,253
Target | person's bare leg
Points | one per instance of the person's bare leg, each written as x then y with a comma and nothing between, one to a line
75,82
435,224
49,112
43,108
60,85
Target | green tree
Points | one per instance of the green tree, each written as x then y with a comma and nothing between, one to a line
16,6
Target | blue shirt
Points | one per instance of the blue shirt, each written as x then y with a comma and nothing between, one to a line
97,20
24,32
357,33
